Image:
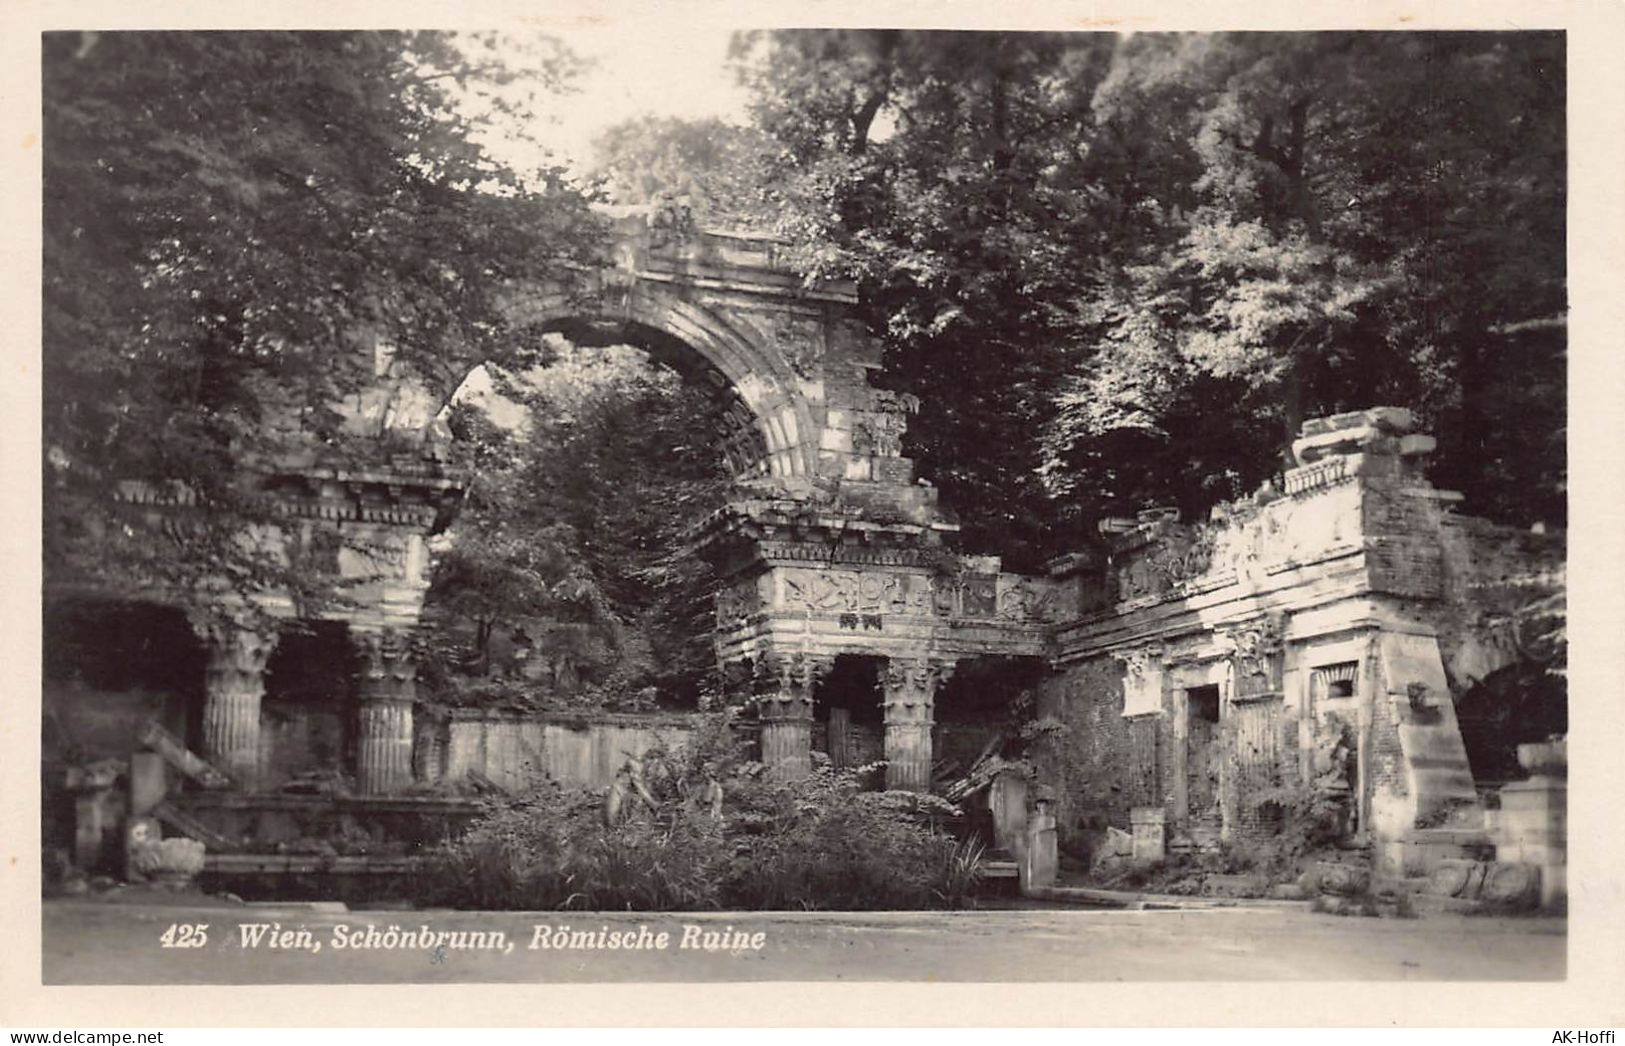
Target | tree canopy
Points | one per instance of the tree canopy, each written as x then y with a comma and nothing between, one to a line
1119,271
575,526
232,222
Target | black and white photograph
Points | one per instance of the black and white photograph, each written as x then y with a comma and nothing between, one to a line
641,500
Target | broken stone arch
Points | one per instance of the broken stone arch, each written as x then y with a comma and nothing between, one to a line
770,410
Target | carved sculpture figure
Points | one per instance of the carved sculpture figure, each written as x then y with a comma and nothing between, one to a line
627,793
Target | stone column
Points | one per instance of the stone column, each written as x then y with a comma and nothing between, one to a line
388,688
233,686
785,701
910,691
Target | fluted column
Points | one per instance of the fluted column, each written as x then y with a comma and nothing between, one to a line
388,688
784,703
909,702
236,651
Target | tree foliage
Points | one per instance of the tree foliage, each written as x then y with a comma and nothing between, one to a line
715,168
581,518
1119,271
232,222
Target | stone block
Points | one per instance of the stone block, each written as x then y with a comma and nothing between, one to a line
1039,861
149,782
1250,885
1148,829
1416,444
835,439
1508,885
1455,878
1007,800
894,470
1394,419
1545,758
1343,880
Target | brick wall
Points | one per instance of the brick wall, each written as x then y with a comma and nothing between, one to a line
1103,764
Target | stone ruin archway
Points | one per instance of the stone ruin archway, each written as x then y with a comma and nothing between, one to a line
828,545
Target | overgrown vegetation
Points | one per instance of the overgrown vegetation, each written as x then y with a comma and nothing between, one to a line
1119,271
232,222
567,580
823,842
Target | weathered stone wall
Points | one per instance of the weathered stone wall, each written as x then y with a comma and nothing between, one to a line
512,750
1103,763
1336,615
298,739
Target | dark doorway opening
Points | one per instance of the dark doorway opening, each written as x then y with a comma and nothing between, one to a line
847,714
1202,751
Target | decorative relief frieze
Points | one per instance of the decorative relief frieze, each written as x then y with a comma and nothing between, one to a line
1024,599
1179,557
867,555
860,594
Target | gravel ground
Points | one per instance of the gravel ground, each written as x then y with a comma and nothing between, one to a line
107,941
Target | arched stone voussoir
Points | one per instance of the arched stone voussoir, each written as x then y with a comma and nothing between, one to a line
751,365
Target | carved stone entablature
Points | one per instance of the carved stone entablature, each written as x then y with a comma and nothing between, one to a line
852,591
1379,429
1256,647
910,686
1005,598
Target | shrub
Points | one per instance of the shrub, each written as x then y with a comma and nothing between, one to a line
818,843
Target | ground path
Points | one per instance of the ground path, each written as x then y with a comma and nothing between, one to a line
90,942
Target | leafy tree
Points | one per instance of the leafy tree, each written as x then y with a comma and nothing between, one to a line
917,163
582,518
1352,199
232,222
1120,271
715,168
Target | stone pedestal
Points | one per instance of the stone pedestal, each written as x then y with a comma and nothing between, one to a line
149,782
95,812
234,684
1148,827
1039,861
1533,826
1007,799
910,692
388,688
785,705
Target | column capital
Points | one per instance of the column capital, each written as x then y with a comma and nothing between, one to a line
910,687
388,667
1254,646
240,640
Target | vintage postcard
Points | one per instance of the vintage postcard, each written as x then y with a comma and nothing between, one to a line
926,506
